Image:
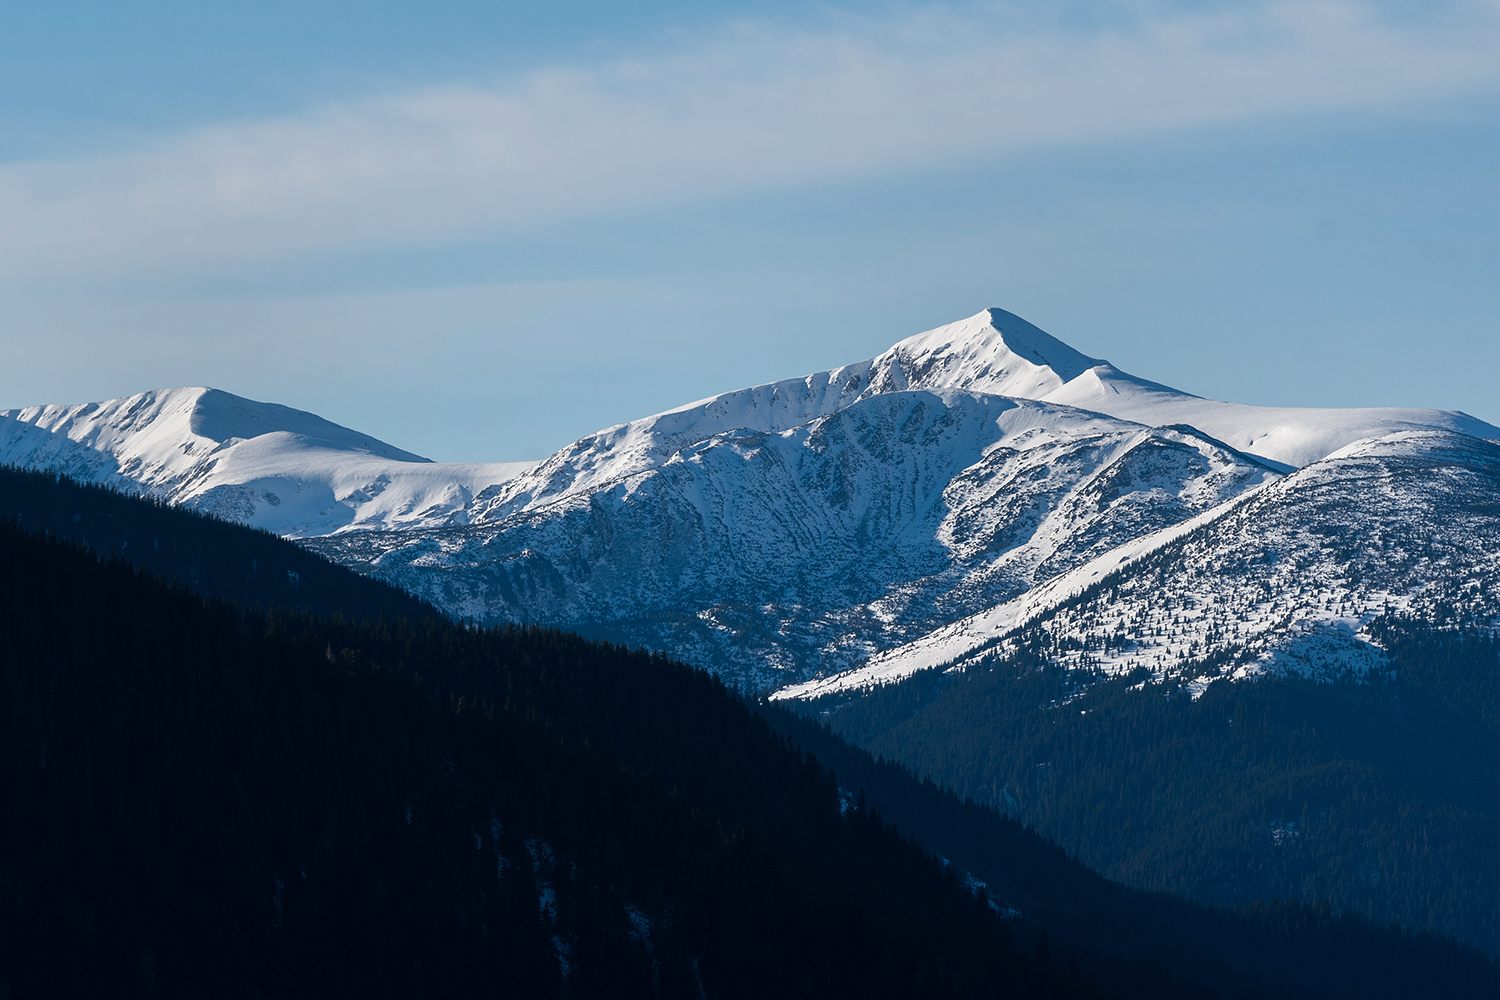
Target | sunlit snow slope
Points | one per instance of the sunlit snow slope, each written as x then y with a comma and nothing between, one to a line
994,353
772,555
1285,578
968,355
277,468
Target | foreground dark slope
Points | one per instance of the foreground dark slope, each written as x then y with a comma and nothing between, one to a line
205,802
685,726
678,723
199,552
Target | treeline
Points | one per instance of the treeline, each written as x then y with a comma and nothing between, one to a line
1380,796
203,801
202,553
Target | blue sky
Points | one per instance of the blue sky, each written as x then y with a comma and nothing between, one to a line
481,231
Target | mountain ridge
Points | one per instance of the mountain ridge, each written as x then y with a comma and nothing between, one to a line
1396,523
807,549
774,533
263,464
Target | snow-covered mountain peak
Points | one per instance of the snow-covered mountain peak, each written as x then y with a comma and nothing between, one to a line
992,352
222,417
269,465
172,429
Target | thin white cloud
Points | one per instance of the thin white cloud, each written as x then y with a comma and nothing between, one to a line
753,108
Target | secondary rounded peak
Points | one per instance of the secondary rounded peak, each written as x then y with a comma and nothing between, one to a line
171,425
221,416
993,351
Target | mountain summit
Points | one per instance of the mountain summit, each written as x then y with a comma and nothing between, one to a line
997,352
272,466
162,435
993,352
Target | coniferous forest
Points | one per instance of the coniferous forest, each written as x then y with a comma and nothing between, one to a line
216,796
1379,795
201,553
203,801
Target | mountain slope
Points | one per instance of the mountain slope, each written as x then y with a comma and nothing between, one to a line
200,801
271,466
773,555
1286,579
1292,436
212,557
1377,794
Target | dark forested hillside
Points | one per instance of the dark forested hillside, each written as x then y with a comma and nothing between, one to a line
683,725
196,755
199,801
213,557
1381,796
1278,947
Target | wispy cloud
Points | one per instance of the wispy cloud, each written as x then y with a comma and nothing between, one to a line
754,107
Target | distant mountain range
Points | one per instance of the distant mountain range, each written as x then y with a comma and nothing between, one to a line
899,513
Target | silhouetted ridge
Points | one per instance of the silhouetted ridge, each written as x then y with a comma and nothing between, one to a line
213,557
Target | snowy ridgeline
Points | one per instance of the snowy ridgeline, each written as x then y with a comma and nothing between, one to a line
1285,579
772,556
262,464
901,512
